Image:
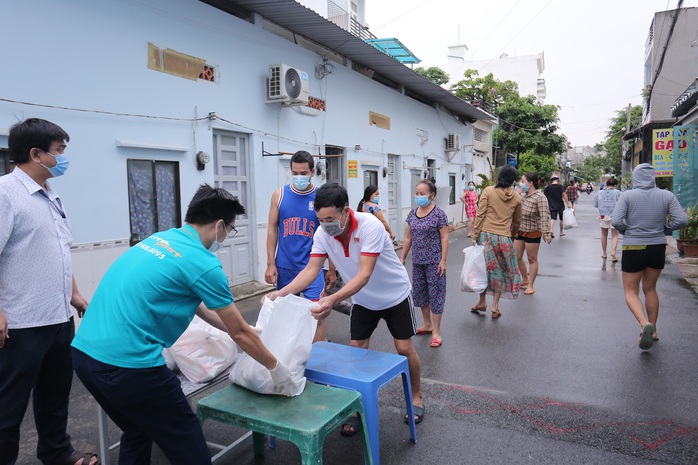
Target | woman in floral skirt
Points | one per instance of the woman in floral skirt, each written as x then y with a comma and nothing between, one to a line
497,221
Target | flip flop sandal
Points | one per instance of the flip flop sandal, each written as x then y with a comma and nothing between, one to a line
418,413
477,310
85,456
352,422
421,331
496,315
436,342
646,336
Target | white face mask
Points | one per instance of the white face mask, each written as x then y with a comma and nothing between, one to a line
216,245
334,228
301,182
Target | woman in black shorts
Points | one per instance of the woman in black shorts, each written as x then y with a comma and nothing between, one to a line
535,224
641,216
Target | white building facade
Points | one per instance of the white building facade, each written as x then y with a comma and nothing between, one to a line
525,70
148,89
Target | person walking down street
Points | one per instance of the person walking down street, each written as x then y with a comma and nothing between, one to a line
605,200
427,236
557,199
572,193
145,301
379,286
641,216
535,223
369,204
292,223
497,221
469,199
37,290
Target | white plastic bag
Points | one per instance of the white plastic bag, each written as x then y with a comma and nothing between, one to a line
568,219
202,352
473,278
287,329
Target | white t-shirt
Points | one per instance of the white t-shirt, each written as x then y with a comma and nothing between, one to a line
389,283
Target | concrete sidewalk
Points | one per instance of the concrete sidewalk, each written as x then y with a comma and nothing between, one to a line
687,266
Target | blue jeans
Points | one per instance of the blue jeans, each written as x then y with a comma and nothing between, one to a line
39,359
148,405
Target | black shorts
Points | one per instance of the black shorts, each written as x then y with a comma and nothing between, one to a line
400,319
529,240
652,256
555,213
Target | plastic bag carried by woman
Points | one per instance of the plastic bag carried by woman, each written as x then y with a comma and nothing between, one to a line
473,278
286,328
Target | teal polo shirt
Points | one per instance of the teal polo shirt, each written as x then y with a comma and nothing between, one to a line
149,296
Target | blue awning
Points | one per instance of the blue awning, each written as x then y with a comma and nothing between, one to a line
394,48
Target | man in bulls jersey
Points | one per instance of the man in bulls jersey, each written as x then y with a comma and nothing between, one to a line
292,223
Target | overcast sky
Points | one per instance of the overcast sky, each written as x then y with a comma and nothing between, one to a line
594,49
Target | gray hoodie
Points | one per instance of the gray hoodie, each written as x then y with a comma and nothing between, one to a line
641,213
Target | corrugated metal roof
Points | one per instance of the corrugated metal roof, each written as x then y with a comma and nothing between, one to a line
299,19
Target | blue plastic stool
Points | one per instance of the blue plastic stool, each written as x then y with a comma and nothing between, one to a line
365,371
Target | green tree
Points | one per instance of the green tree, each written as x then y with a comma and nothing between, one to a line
588,172
435,74
614,138
527,125
487,89
542,165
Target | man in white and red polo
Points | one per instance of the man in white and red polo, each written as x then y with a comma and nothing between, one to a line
375,279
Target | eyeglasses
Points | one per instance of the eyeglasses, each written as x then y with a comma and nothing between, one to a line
232,232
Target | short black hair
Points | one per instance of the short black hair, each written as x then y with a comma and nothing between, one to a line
612,181
507,176
211,204
303,157
331,195
33,133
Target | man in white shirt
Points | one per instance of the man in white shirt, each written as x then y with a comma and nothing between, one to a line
37,290
376,280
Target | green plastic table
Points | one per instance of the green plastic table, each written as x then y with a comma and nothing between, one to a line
304,420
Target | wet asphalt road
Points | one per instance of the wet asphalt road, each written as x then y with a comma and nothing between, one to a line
558,379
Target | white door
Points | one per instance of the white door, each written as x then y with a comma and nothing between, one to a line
232,172
415,177
394,195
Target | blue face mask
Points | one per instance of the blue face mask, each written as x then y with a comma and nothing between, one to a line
301,182
61,167
375,199
422,200
471,188
524,187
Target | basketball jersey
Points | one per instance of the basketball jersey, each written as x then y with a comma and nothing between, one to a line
297,223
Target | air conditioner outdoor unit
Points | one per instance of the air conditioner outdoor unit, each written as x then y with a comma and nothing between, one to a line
287,84
453,142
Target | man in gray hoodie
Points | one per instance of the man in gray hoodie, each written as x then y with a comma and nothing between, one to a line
641,216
